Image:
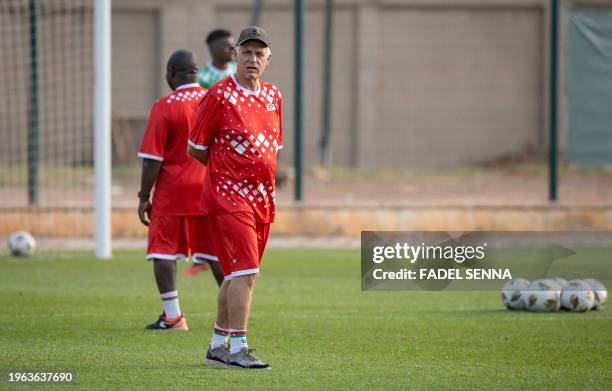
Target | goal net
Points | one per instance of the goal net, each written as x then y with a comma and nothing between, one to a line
46,114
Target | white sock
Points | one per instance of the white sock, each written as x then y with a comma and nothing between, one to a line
219,337
170,302
238,340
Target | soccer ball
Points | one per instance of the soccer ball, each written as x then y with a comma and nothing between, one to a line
542,296
511,293
21,244
599,292
577,296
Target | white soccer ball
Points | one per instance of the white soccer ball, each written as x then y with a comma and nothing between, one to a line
577,296
21,244
542,296
599,292
511,293
555,284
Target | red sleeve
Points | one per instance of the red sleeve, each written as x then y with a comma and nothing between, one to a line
154,140
280,122
206,124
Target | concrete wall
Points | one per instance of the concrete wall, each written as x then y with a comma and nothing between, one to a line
457,85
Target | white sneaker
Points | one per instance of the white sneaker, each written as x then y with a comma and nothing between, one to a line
245,359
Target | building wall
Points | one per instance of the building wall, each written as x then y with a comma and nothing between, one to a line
456,85
135,61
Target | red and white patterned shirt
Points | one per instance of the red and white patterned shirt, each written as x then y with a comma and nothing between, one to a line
243,130
179,184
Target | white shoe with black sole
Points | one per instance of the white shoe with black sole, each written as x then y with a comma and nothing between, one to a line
245,359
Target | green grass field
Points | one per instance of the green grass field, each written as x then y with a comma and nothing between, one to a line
310,321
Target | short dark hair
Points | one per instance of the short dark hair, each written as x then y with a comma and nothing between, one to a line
216,34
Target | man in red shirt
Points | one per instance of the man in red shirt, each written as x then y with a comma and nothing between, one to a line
237,133
176,223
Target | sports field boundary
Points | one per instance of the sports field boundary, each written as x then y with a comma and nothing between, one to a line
335,220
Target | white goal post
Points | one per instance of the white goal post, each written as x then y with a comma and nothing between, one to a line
102,128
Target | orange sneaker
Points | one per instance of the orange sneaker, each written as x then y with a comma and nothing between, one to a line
165,323
196,269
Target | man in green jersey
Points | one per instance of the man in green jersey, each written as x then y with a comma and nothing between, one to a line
221,45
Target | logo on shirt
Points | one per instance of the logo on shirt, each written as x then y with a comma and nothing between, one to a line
271,107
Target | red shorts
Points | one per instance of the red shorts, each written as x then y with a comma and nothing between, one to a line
176,237
239,242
